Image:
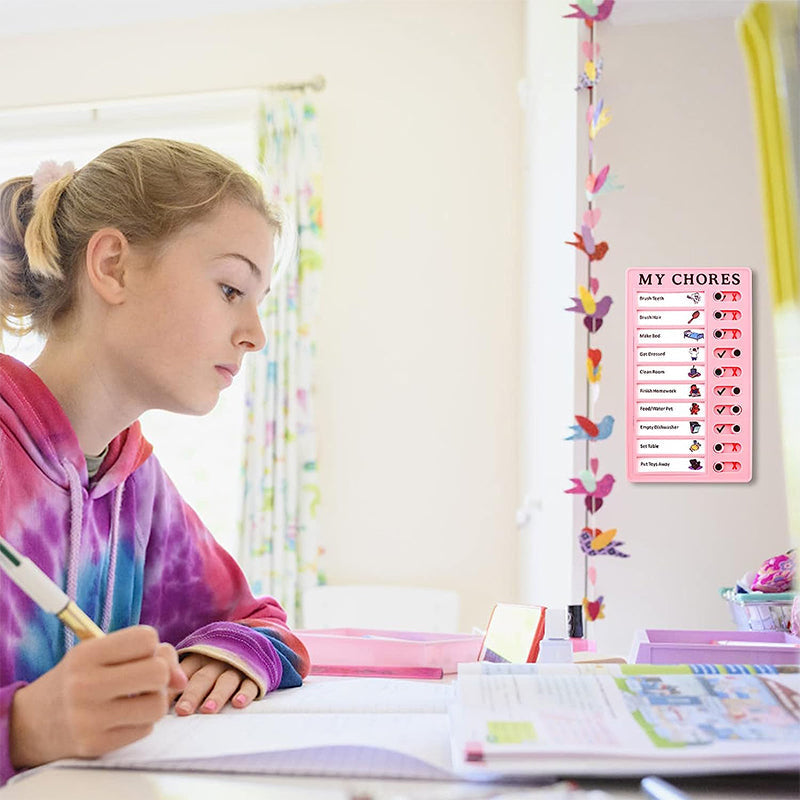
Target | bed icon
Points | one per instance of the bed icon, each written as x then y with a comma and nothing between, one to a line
696,335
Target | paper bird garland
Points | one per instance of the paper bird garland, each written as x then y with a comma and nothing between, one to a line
593,541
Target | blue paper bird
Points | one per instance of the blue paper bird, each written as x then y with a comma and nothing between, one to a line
586,429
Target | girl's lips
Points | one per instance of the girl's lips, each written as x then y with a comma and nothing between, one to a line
227,372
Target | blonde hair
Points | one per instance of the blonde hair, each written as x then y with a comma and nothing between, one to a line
149,189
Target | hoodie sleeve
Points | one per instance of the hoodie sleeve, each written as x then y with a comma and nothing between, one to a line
197,597
6,698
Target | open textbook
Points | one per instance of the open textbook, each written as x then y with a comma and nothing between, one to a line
620,719
497,720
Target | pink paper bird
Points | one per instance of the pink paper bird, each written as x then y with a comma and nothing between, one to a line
594,183
590,12
595,490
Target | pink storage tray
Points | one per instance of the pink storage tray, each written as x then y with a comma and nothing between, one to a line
365,647
698,647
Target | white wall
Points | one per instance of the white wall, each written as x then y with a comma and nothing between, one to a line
682,143
420,328
418,389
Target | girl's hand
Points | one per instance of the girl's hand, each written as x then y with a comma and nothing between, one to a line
211,685
105,693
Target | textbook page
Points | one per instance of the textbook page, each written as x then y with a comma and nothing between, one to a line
597,723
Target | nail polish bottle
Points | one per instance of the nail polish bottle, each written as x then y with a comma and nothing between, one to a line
555,648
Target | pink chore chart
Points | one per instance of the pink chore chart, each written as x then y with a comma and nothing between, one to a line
689,375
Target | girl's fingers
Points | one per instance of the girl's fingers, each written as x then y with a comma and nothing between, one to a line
227,684
122,646
138,677
201,682
211,685
177,677
248,692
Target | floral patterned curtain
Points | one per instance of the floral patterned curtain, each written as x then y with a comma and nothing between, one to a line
279,545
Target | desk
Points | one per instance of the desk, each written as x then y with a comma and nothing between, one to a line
78,784
103,784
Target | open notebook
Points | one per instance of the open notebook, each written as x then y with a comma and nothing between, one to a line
355,727
497,721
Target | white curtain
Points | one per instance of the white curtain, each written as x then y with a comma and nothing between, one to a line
279,546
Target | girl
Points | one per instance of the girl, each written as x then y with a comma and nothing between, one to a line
144,270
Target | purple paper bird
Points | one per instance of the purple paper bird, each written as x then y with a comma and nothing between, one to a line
593,310
587,10
586,429
611,549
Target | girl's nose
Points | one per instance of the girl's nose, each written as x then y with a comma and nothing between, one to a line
252,334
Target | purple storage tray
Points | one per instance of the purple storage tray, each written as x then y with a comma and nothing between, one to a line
701,647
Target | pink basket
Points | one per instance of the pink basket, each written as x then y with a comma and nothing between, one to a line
381,648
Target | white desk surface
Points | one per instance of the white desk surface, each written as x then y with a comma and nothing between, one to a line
80,784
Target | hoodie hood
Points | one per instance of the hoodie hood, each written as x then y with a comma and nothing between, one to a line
31,416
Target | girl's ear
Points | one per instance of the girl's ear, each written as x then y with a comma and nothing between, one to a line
107,255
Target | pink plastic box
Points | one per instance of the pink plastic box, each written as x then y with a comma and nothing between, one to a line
379,648
714,647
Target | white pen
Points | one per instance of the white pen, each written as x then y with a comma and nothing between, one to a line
45,593
661,790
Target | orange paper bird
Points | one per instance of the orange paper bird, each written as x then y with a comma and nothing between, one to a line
594,608
599,250
594,372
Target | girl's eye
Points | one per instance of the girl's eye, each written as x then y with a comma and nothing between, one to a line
230,292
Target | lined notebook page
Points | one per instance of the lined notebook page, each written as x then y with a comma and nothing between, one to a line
356,695
395,745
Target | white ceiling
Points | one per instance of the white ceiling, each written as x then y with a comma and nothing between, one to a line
47,16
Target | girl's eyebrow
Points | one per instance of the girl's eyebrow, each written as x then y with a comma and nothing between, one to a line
254,268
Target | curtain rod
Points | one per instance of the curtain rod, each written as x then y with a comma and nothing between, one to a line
316,84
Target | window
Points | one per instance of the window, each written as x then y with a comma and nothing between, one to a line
203,456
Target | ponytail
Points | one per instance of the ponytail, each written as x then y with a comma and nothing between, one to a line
41,239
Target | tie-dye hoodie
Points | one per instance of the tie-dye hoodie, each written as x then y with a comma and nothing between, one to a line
125,546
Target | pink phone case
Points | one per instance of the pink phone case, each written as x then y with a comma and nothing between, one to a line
689,399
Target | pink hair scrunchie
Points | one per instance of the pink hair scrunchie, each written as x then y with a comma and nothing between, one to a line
49,172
